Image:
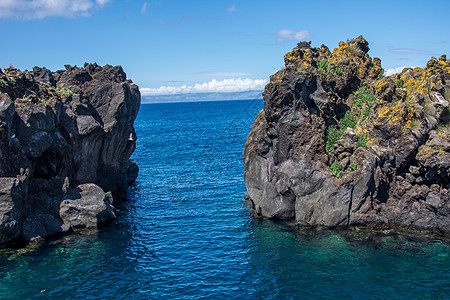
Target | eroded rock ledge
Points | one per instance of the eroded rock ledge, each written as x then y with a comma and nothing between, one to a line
65,142
338,144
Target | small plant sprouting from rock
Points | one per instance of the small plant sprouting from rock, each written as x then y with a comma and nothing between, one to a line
366,110
334,132
362,141
363,96
336,70
352,167
325,67
349,120
335,168
64,91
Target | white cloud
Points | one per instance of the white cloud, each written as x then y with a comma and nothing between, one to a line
409,51
144,7
102,2
285,34
213,86
389,72
232,8
40,9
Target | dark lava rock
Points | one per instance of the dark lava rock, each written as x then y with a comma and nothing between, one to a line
86,206
337,144
58,132
133,171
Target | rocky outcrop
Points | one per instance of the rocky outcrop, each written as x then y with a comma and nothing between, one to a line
65,139
86,206
338,144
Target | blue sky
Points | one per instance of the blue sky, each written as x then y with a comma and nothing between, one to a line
173,47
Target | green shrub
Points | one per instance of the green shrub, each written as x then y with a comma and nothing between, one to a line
399,84
362,141
447,94
362,96
336,70
366,110
334,133
335,168
323,66
349,120
64,91
351,167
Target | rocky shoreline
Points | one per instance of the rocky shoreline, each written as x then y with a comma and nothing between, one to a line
65,141
338,144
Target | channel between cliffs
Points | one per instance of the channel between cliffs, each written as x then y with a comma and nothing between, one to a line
66,138
338,144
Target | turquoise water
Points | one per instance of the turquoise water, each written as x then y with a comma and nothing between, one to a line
185,234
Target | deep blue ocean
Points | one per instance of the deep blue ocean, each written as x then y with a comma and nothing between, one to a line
184,233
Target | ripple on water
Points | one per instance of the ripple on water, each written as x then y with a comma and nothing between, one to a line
184,233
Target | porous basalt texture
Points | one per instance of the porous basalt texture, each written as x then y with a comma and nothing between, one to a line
59,131
337,144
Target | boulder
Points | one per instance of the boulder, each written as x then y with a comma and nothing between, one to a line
132,172
86,206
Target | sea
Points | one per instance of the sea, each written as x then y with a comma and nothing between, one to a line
184,232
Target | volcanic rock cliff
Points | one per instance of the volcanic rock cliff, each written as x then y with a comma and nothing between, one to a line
338,144
65,142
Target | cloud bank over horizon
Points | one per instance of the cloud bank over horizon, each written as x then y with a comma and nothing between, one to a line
214,86
389,72
198,97
40,9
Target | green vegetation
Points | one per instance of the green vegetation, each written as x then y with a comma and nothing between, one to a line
335,168
334,132
64,91
336,70
3,83
447,94
349,120
365,100
333,135
325,67
351,167
363,96
362,141
399,84
366,110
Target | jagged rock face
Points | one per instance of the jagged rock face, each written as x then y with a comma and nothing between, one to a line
337,144
60,130
86,206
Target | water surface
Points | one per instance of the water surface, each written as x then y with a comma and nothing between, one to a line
185,234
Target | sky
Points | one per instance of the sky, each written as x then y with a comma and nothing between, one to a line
173,47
